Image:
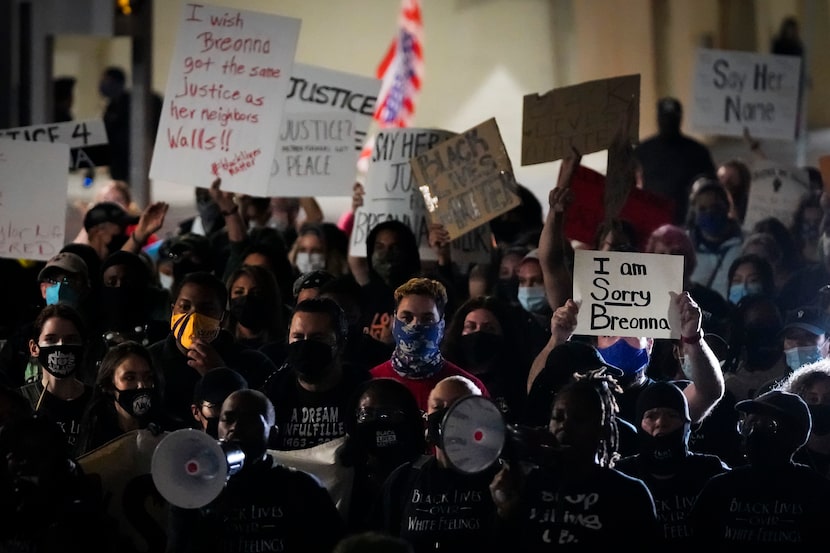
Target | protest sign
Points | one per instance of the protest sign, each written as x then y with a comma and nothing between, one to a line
391,194
466,180
627,294
645,210
775,191
33,188
334,95
734,91
585,116
87,140
131,498
226,88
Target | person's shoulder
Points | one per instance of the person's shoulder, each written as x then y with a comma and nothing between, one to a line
384,370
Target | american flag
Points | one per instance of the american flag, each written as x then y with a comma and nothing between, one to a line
401,71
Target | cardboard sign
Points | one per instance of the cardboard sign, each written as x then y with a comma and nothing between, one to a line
466,180
775,191
226,88
627,294
737,90
87,140
392,194
645,210
33,188
586,116
132,499
333,95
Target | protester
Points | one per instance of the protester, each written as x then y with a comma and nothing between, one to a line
210,392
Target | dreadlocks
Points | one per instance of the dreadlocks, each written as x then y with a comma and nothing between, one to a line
605,386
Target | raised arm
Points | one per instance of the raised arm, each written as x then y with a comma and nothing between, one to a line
358,265
151,220
562,325
234,223
313,213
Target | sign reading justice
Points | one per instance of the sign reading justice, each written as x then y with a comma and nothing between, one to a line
627,294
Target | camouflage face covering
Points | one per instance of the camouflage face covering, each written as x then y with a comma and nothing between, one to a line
417,354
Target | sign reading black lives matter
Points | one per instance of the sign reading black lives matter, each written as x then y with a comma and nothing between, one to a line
627,294
392,195
738,90
467,180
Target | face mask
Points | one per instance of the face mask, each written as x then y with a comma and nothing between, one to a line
712,222
209,212
278,223
737,292
820,414
434,427
251,312
809,232
532,298
60,361
797,357
62,293
307,262
625,357
121,308
761,346
212,427
188,327
137,402
388,267
767,448
507,289
378,438
417,353
662,455
309,359
166,281
480,349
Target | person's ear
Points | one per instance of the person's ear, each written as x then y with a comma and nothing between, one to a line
194,410
34,350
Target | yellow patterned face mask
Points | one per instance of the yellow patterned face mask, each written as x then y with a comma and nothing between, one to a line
187,327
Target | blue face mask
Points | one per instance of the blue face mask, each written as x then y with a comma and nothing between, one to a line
797,357
417,353
712,222
624,356
62,293
737,292
533,298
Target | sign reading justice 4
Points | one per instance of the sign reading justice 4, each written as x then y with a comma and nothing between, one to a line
627,294
225,92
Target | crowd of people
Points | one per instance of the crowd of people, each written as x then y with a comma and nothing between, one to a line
254,325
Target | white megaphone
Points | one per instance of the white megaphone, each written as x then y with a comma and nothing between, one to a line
473,434
190,468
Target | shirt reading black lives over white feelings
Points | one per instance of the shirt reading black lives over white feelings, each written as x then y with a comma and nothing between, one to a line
306,419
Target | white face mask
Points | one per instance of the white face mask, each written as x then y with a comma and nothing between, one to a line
166,281
307,262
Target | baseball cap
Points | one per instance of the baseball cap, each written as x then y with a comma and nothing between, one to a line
217,384
809,318
313,279
785,407
108,212
575,356
66,262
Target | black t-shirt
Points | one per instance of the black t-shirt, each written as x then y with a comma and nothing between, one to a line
306,419
67,414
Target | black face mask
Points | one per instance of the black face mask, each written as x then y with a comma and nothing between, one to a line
121,308
137,402
212,427
507,289
434,421
251,312
389,267
481,349
768,449
820,414
209,212
309,359
60,361
381,439
662,455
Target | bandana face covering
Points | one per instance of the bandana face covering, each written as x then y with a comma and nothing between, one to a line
417,354
188,327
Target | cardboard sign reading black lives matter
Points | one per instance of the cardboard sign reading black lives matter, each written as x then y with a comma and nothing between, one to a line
466,180
627,294
586,116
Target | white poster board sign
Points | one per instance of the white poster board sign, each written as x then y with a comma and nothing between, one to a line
81,136
775,191
627,294
227,84
33,188
333,95
392,194
738,90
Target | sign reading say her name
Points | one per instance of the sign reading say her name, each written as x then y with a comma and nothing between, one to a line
776,191
87,140
627,294
734,91
228,81
585,116
392,195
466,180
331,95
33,184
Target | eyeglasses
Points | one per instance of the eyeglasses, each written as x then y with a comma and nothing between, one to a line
64,280
369,414
758,423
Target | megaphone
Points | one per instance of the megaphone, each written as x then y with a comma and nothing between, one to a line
473,434
190,468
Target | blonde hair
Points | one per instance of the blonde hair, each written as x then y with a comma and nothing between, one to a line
419,286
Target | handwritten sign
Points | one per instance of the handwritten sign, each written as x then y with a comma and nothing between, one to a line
392,194
776,191
585,115
737,90
87,140
223,104
627,294
33,187
333,95
466,180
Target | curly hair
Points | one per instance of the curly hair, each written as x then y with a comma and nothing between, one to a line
805,377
